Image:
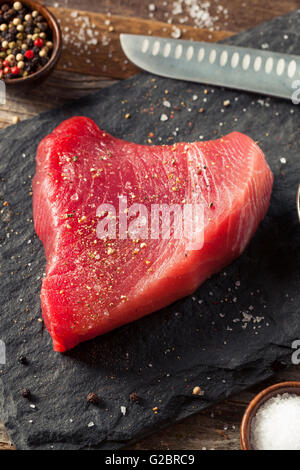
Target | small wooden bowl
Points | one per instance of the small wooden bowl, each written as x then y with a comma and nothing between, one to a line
259,400
45,71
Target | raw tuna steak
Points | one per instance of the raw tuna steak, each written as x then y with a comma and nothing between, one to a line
101,273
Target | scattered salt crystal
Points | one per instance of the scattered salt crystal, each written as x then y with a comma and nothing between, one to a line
151,7
176,32
195,97
283,160
246,317
164,117
123,410
197,12
167,104
276,425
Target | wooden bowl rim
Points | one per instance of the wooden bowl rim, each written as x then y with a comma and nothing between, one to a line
57,42
259,400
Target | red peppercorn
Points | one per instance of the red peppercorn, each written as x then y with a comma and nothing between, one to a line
29,54
39,42
6,70
15,70
6,63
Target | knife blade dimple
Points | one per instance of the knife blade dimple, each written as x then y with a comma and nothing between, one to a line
247,69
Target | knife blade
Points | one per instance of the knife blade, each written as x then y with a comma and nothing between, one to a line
253,70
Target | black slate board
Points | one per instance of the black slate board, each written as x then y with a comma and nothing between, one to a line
202,340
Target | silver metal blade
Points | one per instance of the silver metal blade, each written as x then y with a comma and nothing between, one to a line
265,72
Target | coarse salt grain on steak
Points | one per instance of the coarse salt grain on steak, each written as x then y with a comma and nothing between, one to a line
93,285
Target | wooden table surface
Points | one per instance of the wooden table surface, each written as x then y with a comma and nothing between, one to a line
92,27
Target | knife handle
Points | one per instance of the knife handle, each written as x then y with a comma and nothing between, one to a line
254,70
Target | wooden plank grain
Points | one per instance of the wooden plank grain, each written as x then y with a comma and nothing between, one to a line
91,43
231,15
5,443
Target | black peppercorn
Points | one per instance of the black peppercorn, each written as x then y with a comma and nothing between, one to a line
5,7
93,398
43,61
26,393
43,27
23,360
8,15
133,397
29,29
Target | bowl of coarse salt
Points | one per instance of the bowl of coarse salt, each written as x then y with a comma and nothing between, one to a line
272,419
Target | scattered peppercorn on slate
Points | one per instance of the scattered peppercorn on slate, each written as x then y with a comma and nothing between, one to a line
222,339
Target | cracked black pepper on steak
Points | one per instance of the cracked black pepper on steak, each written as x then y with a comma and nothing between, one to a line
25,41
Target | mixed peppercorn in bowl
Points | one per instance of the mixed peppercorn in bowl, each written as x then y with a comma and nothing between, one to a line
30,42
